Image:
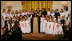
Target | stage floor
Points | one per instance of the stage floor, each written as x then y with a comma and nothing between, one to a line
39,36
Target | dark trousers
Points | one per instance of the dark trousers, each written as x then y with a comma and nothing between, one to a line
9,37
32,25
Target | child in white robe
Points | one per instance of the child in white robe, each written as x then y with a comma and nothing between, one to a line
52,26
50,17
66,16
41,24
13,23
55,29
48,11
28,29
20,12
52,13
62,14
54,18
24,13
22,26
12,14
14,18
44,25
60,30
59,19
4,15
8,14
47,27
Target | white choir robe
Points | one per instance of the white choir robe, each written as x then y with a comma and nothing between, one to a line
51,28
28,13
19,14
22,26
60,30
54,19
44,26
66,14
16,15
13,19
62,14
24,13
67,21
48,13
47,28
55,29
12,24
28,28
4,16
12,15
52,14
41,24
9,15
8,26
59,20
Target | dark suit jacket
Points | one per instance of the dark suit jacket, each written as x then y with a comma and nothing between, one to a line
44,13
57,14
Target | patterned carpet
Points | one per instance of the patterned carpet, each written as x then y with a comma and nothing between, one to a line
39,36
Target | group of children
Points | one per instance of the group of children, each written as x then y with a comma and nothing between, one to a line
49,24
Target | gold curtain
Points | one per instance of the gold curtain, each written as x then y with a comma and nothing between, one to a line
36,4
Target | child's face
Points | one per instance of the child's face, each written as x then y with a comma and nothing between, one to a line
62,17
51,20
53,16
50,16
5,10
27,16
58,17
21,19
12,12
7,17
42,15
14,17
48,20
59,22
46,15
20,16
55,21
7,22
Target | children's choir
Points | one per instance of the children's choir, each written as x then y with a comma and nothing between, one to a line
49,22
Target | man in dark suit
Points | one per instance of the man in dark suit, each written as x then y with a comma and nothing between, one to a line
44,12
39,18
57,13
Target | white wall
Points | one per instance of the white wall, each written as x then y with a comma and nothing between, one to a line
16,5
59,4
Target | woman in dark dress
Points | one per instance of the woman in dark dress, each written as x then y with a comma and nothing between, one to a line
17,33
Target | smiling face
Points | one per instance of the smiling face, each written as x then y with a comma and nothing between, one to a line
4,10
12,12
16,12
42,15
7,22
58,17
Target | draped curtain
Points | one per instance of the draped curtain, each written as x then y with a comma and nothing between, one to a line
36,4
